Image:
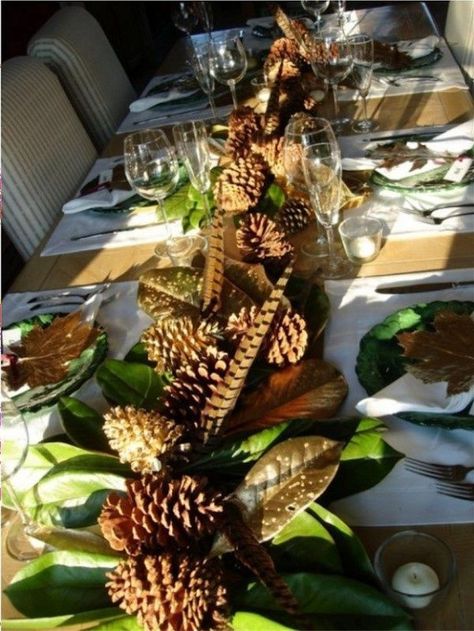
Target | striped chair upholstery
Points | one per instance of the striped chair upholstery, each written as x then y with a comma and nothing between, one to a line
459,33
73,44
46,152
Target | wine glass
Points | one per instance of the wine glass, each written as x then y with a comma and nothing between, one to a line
193,149
203,11
200,65
323,170
14,449
340,9
331,60
185,18
315,7
151,168
363,62
228,62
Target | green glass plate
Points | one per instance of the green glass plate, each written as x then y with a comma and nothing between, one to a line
427,60
80,369
380,360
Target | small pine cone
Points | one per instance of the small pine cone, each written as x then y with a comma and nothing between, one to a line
259,239
244,126
194,383
295,215
238,324
160,512
140,436
171,592
271,150
172,342
240,186
287,339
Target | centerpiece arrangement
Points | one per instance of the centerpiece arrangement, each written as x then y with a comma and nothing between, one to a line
191,504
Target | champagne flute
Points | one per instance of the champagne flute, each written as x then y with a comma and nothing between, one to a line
193,149
363,57
323,172
316,7
228,62
200,65
331,60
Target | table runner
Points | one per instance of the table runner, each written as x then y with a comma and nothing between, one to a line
402,498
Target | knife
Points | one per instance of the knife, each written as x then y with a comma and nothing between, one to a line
116,231
422,287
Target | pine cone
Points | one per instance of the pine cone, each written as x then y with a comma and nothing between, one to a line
295,215
238,324
284,51
240,186
172,342
259,239
160,512
140,436
171,592
271,150
244,127
287,339
194,384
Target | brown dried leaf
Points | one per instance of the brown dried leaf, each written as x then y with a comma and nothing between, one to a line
44,353
446,354
312,389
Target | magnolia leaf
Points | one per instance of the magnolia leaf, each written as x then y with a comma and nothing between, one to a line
311,390
245,620
70,539
44,354
213,278
249,277
127,383
282,483
52,622
228,390
446,354
82,424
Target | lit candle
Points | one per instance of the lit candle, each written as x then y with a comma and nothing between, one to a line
264,95
415,580
362,247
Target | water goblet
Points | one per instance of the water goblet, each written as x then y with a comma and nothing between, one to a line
331,61
228,62
315,8
193,149
363,62
323,170
200,65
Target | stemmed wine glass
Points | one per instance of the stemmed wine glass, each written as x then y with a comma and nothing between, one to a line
185,18
323,172
315,7
331,60
200,65
228,62
340,9
363,57
151,168
193,149
203,11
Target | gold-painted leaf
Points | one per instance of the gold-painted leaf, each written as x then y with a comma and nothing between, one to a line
228,390
313,389
282,483
70,539
249,277
214,268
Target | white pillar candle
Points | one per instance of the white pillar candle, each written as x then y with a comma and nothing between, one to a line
264,95
362,247
415,580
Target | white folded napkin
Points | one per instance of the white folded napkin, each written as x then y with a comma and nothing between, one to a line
409,394
145,103
102,198
416,48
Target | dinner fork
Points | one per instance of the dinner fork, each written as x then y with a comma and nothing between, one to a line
460,490
66,295
425,212
448,472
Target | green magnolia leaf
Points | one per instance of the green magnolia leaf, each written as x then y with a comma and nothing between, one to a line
125,383
71,539
52,622
125,623
60,583
273,200
311,389
246,621
82,424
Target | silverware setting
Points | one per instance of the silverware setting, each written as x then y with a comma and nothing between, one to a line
116,231
69,294
426,214
422,287
399,81
66,299
459,490
446,472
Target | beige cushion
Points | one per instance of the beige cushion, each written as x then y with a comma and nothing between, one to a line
459,33
46,152
73,44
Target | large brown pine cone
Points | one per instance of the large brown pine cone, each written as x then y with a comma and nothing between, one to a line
240,186
239,323
295,215
194,384
271,150
139,436
287,51
160,512
172,342
287,340
244,127
259,239
171,592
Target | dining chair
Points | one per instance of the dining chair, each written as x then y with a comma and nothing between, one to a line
459,33
73,44
46,152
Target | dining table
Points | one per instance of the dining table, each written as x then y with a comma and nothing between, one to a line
412,253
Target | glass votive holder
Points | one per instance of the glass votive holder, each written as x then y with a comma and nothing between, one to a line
181,250
361,238
261,88
415,569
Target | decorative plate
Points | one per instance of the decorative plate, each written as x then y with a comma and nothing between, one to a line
380,360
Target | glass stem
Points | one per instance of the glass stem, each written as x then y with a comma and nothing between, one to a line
364,105
212,103
207,208
336,104
331,245
25,520
231,84
162,215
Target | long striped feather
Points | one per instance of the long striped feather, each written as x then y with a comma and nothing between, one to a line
213,278
227,392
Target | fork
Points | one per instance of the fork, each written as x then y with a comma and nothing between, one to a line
448,472
460,490
65,295
428,218
426,212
